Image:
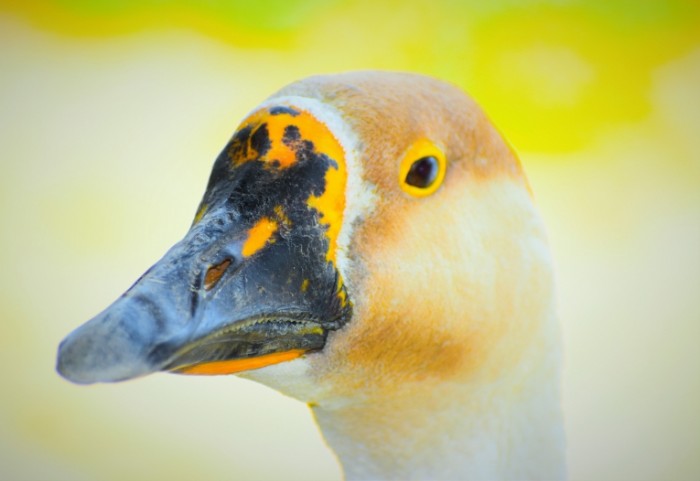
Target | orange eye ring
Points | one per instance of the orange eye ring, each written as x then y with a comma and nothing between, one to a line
422,169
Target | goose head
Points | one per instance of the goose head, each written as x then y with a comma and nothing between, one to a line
368,244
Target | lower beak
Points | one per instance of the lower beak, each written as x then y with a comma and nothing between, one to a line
124,342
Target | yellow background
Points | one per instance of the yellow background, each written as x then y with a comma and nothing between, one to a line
111,114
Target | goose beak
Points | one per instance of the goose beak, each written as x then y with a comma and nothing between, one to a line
253,282
222,300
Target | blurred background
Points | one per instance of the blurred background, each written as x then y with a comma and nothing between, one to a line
112,112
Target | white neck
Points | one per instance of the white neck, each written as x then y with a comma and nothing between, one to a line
505,428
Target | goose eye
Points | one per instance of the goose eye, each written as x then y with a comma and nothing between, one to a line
423,172
422,169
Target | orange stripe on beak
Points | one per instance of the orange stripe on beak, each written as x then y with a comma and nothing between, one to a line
239,365
258,236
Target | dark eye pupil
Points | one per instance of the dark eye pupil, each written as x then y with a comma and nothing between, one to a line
423,172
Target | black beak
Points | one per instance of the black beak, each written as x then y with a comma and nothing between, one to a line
249,285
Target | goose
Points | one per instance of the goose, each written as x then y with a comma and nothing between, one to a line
368,244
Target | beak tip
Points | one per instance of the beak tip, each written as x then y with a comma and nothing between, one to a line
87,369
69,365
98,353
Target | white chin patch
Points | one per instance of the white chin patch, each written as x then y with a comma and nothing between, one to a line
293,378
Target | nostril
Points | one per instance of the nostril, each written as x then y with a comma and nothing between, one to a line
215,272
